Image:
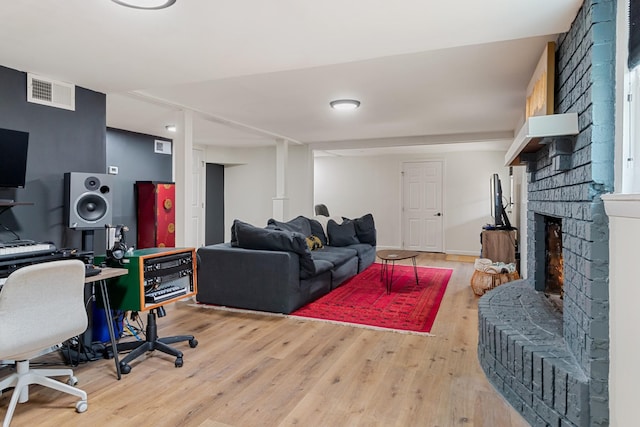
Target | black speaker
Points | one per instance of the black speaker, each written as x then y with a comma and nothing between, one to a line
87,200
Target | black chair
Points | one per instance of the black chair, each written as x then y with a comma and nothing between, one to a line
153,342
322,210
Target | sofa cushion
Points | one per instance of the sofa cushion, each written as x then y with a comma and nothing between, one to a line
318,230
343,272
252,237
322,266
365,229
366,255
299,224
341,234
334,255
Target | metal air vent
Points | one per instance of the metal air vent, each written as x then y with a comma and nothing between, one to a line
45,91
162,147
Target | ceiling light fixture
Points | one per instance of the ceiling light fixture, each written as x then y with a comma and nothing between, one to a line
344,104
170,128
145,4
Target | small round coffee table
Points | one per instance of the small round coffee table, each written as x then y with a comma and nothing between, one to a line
391,256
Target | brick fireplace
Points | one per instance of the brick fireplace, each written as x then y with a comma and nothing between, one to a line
551,363
551,273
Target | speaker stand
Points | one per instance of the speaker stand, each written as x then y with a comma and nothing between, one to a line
87,240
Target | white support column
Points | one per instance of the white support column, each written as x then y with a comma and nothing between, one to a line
281,201
182,160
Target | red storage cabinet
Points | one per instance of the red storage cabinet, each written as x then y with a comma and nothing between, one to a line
156,214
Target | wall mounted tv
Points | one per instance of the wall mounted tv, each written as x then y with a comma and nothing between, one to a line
13,158
498,210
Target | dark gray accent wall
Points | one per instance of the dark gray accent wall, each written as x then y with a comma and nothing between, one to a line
59,141
133,154
214,216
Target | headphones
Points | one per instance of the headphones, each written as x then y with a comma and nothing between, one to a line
119,248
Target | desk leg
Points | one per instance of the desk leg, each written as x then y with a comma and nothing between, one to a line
107,308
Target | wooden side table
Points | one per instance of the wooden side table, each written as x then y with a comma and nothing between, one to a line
499,245
391,256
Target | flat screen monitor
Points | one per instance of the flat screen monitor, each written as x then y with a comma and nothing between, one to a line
13,158
501,220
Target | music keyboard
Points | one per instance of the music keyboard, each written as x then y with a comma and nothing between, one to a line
163,294
19,253
25,248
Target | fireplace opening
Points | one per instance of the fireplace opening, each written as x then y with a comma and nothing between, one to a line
554,262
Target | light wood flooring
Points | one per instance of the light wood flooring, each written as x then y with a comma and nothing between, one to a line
256,370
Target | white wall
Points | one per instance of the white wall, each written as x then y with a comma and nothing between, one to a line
353,186
250,183
300,181
624,234
249,188
624,317
522,201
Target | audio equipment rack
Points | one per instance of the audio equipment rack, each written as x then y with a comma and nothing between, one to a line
152,272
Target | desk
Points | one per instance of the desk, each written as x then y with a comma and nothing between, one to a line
101,279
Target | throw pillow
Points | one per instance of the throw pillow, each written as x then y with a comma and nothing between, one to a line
252,237
234,239
314,242
365,229
342,234
299,224
318,230
323,220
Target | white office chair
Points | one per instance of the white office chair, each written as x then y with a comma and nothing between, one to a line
41,306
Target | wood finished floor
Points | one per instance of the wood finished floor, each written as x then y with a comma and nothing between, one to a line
255,370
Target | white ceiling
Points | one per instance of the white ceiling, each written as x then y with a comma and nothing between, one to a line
426,71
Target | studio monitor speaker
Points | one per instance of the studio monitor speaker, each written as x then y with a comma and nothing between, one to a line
87,200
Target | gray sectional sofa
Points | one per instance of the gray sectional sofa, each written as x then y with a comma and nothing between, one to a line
282,267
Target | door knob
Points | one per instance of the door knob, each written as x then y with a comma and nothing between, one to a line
438,214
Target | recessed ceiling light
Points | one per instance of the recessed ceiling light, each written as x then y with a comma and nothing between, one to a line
145,4
170,128
344,104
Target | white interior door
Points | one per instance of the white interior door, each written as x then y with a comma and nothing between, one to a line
422,223
197,197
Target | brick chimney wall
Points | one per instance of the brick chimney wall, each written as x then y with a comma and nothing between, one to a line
565,180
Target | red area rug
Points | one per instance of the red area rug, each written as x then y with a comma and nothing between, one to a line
363,300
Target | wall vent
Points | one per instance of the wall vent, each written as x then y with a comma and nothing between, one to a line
162,147
45,91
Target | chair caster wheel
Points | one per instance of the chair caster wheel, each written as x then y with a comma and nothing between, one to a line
81,406
125,368
72,381
178,362
193,343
